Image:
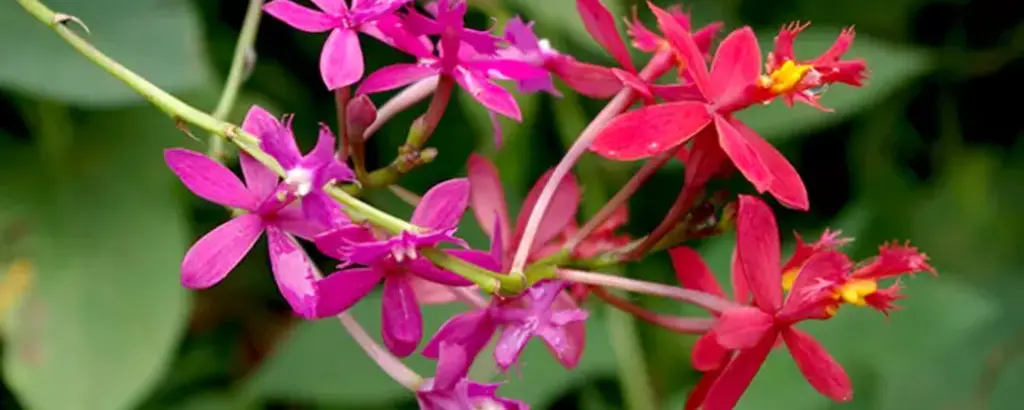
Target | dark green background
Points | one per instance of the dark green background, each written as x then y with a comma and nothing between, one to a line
927,151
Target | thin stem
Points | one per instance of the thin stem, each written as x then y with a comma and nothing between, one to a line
425,125
387,362
629,355
401,102
689,325
470,296
684,201
655,68
627,191
237,72
341,98
405,195
707,301
181,112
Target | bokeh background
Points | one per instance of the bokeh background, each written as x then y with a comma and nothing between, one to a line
93,226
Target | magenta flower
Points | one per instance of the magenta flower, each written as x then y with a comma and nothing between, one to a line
466,334
395,261
305,176
534,314
219,251
449,389
470,68
525,46
341,60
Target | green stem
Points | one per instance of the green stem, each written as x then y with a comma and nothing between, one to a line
636,383
237,72
182,112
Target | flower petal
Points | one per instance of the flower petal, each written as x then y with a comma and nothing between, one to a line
691,271
260,180
300,17
510,345
337,243
575,332
487,198
281,144
341,60
740,289
294,273
208,179
700,391
473,329
685,47
708,354
343,289
588,79
291,219
601,24
817,366
488,94
505,69
742,327
216,253
427,270
332,6
786,185
401,322
394,76
321,209
430,293
757,245
737,64
743,156
651,130
560,213
443,205
737,375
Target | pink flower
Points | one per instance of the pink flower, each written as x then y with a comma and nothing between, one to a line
305,176
341,61
215,254
395,261
754,331
450,389
523,45
470,68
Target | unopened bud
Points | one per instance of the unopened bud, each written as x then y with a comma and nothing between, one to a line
360,114
427,155
728,220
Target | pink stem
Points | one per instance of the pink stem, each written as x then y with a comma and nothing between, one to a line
400,102
707,301
655,68
691,325
634,183
341,97
387,362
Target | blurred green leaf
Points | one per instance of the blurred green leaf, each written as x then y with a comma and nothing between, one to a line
160,40
107,238
892,67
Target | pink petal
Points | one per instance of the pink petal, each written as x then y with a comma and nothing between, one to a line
633,81
786,185
651,130
208,179
708,354
743,155
216,253
487,198
691,271
682,43
292,219
259,121
430,293
560,213
300,17
601,24
281,144
740,290
737,376
700,391
737,64
443,205
588,79
495,128
757,244
462,326
817,366
575,333
742,327
341,60
294,273
321,210
427,270
394,76
488,94
503,69
261,180
341,290
402,324
336,7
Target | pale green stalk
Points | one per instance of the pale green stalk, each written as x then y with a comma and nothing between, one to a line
237,72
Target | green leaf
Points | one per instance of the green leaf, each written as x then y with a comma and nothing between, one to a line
107,309
892,66
158,39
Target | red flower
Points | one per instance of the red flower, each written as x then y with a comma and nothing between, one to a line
754,331
646,40
816,73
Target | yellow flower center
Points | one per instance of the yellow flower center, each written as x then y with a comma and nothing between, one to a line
789,278
854,292
786,77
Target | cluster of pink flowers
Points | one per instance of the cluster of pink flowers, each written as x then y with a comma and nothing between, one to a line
689,117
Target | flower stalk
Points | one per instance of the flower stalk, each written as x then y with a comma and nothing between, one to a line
704,300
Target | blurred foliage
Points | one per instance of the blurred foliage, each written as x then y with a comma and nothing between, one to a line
927,151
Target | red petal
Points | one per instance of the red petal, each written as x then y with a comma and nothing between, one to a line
895,260
811,293
743,155
820,369
784,44
700,391
742,327
838,48
560,213
684,46
736,377
487,198
740,289
737,64
650,130
708,354
757,245
692,272
786,184
601,24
